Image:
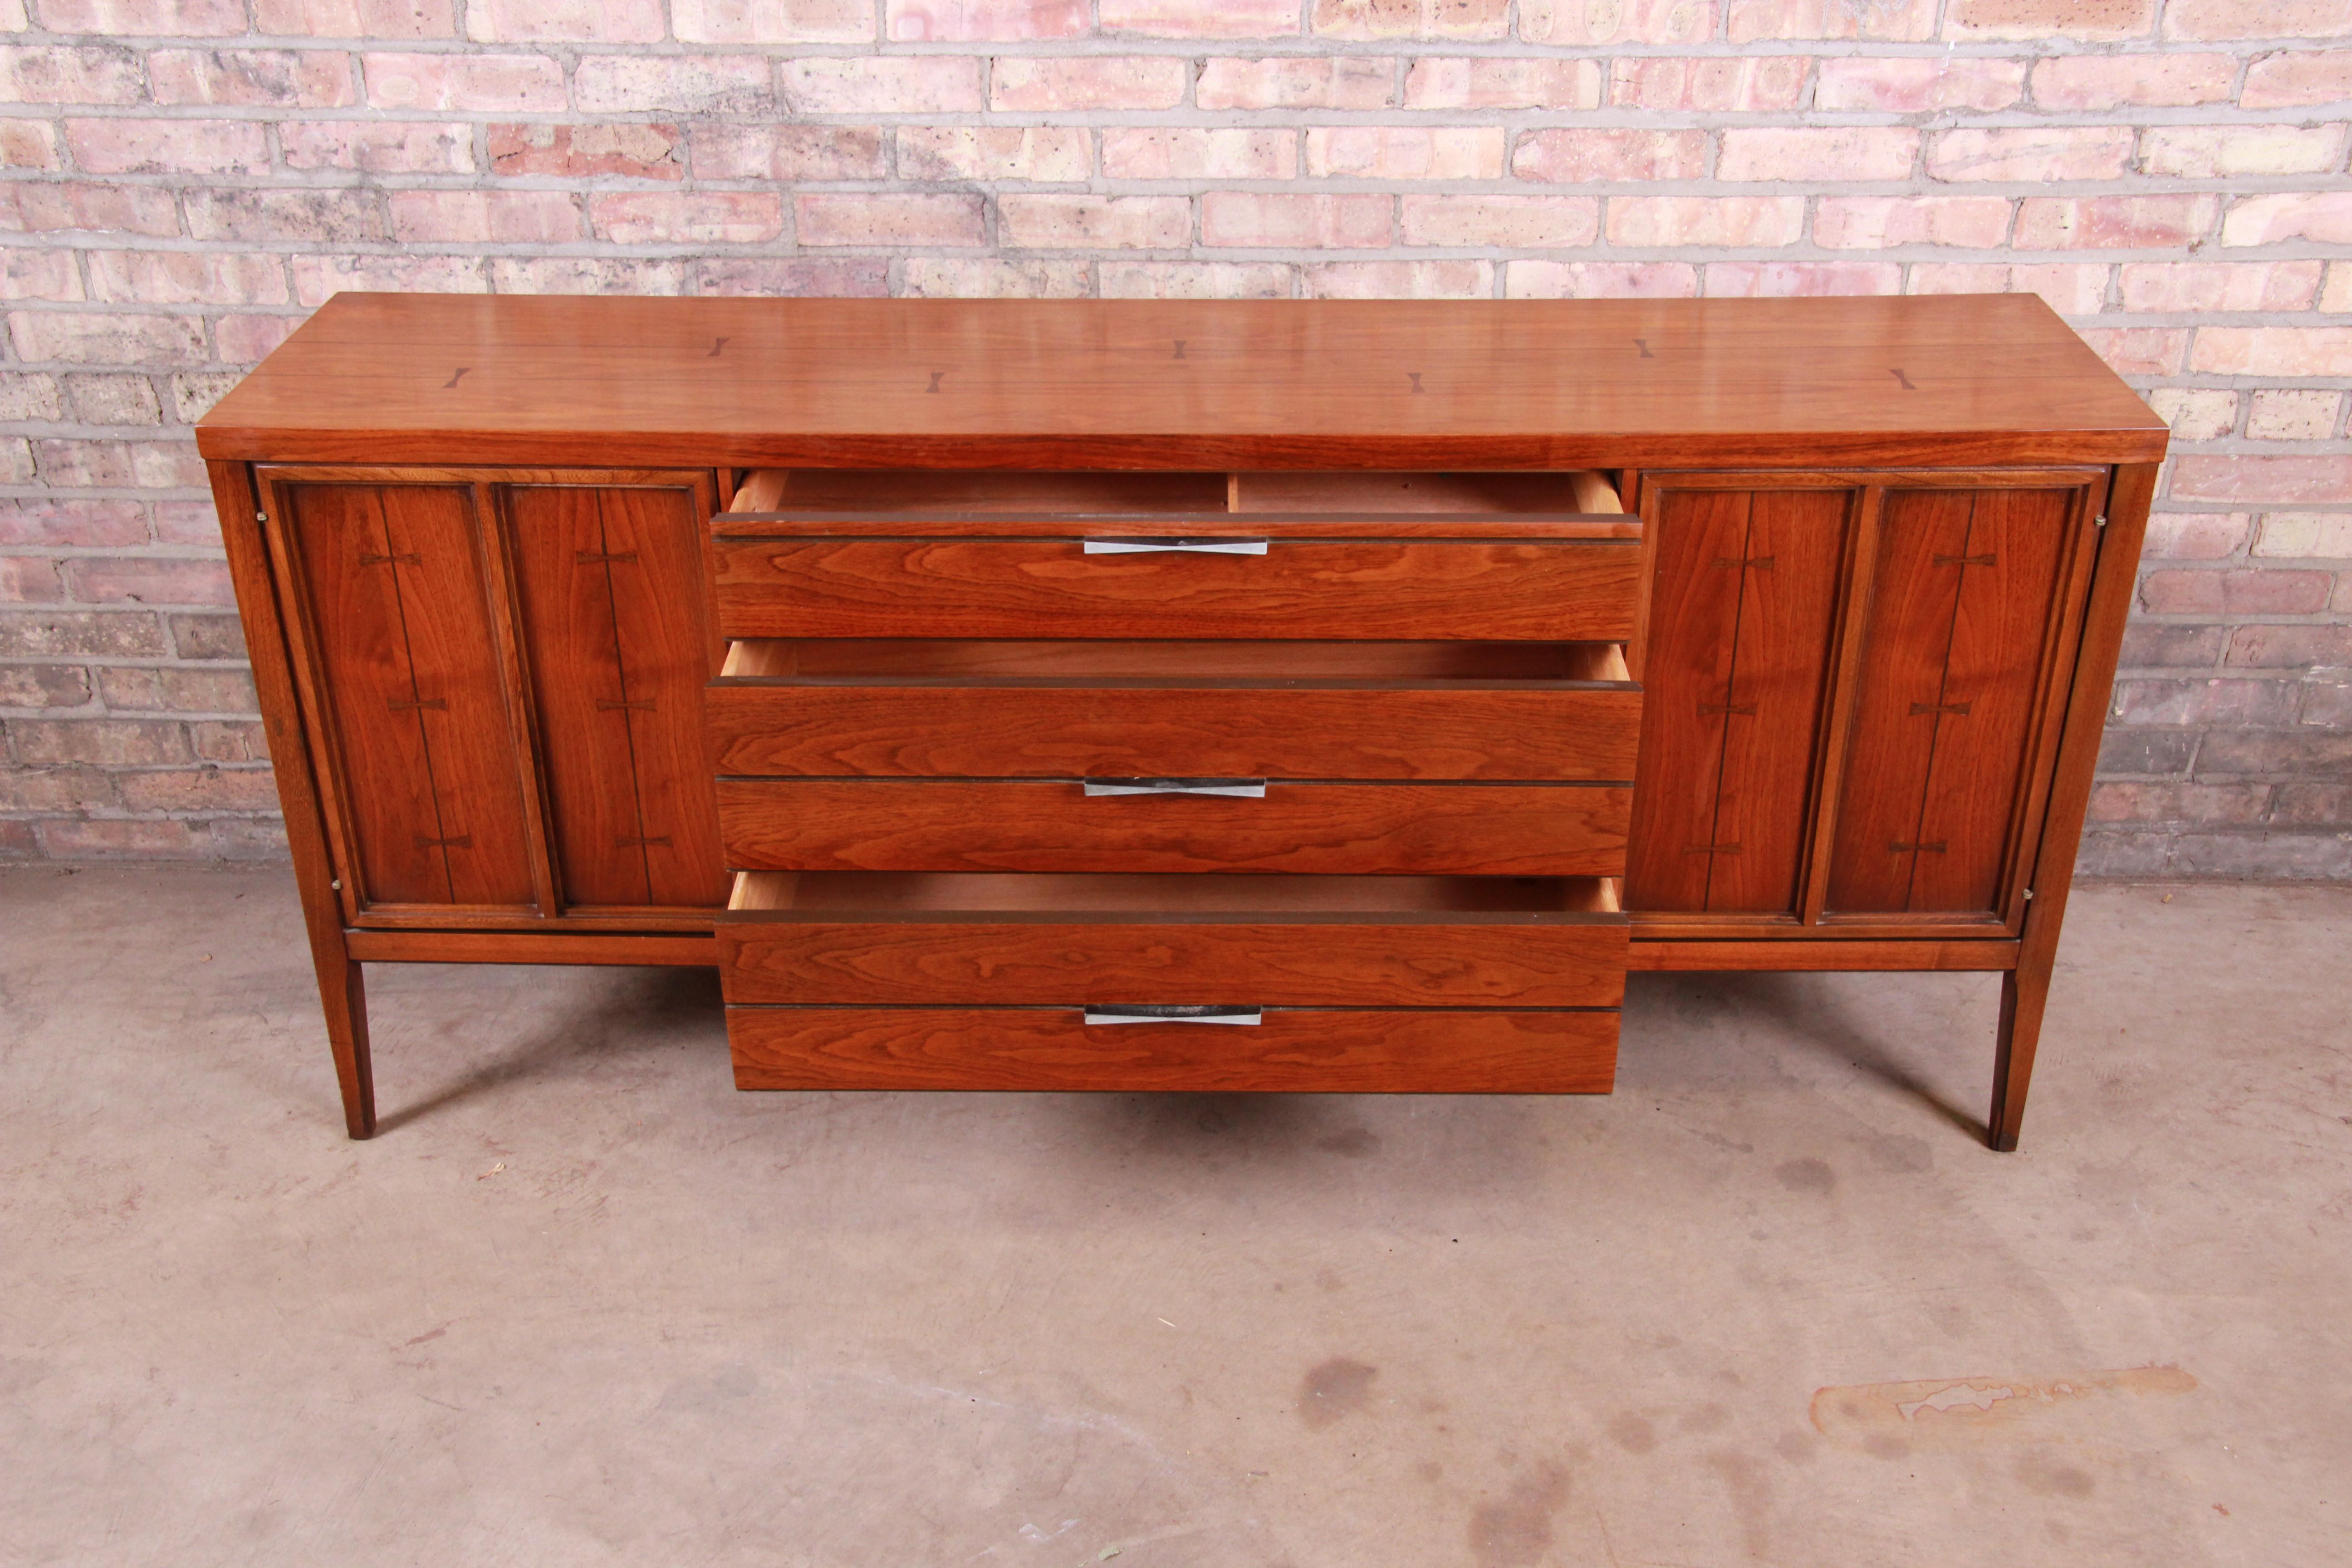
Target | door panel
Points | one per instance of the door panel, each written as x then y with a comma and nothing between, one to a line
1969,592
610,582
405,652
1742,615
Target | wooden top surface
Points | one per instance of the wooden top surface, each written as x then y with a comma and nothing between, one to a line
1953,379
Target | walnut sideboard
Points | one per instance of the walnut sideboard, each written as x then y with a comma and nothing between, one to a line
1000,692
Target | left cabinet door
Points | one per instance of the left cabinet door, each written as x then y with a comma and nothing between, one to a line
408,701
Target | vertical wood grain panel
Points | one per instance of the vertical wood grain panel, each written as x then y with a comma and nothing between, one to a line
1923,536
2008,606
1787,607
1686,680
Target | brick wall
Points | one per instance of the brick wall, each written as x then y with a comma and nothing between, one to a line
185,178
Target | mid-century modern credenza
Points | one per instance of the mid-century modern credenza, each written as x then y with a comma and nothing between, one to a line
1173,695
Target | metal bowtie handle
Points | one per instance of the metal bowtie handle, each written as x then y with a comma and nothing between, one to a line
1100,1017
1196,546
1243,789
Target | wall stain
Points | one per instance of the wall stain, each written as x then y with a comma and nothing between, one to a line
1334,1389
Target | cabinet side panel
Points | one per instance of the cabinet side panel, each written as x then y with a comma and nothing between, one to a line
2007,603
1700,538
654,539
462,700
572,648
370,691
1923,536
1788,606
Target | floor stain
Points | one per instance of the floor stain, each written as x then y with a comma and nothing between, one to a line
1806,1175
1514,1530
1334,1389
1751,1497
1633,1434
1888,1418
1353,1142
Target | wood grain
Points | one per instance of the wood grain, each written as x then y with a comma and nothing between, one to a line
1815,953
1293,1050
1439,730
873,825
1017,588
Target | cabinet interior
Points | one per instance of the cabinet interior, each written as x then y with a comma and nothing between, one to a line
1114,493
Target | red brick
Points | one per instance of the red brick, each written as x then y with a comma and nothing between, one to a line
2336,293
897,84
75,337
1874,223
794,276
992,278
1032,153
1535,223
1199,18
132,839
2139,802
634,149
187,522
689,217
2120,81
1912,84
1777,279
1489,82
475,217
249,339
108,742
1877,21
1296,82
1457,279
2252,591
1596,156
564,21
27,144
794,152
1053,83
2239,151
2257,18
278,79
218,688
2298,79
2086,20
168,146
2240,704
125,579
29,580
378,147
2196,535
2070,287
887,218
200,789
2299,416
2294,480
2208,286
680,84
70,634
1096,223
1580,22
586,275
2119,223
773,21
957,21
1168,153
468,83
27,274
1817,155
1464,19
2308,534
2312,804
2031,154
2322,216
355,18
50,206
188,278
1194,281
2138,351
51,686
1284,221
151,18
57,521
1705,220
317,279
1405,152
2290,647
63,73
2195,413
2274,350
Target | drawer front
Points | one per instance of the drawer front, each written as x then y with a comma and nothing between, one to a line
973,731
891,825
1479,589
1295,1049
989,960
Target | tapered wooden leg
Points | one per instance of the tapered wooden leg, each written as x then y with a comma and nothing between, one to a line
344,997
2024,994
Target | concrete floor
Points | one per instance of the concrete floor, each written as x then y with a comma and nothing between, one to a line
582,1303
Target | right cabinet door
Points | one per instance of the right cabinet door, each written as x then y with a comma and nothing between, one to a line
1972,602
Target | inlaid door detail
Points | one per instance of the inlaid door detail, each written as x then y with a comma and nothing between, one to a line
402,640
609,582
1964,616
1742,616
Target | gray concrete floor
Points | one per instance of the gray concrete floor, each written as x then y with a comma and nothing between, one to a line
582,1303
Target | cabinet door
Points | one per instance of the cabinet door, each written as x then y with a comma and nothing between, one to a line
1973,601
410,701
1742,613
611,592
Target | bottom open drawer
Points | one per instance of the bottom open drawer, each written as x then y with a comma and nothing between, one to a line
1421,985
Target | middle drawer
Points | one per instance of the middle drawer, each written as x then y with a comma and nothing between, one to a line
1339,829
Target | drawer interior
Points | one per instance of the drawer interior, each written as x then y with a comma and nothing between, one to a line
1146,895
1096,493
914,659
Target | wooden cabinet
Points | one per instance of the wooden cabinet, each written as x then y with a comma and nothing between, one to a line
503,677
1854,684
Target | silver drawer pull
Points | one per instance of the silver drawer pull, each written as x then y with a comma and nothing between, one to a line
1198,546
1244,789
1100,1017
